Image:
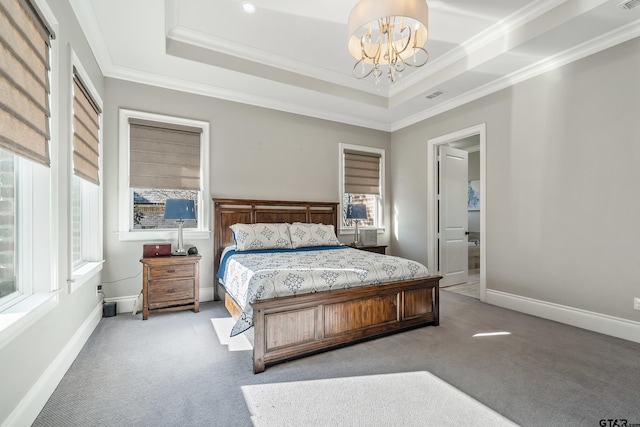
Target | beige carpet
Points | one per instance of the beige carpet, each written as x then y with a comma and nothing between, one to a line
403,399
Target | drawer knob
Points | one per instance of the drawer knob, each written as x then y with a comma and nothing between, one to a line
171,291
171,271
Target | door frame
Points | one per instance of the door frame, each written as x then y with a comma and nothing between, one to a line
432,179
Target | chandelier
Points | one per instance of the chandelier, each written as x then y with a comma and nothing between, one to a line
386,36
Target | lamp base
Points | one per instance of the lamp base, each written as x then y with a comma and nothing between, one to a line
356,236
180,251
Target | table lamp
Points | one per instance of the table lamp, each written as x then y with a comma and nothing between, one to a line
356,213
180,209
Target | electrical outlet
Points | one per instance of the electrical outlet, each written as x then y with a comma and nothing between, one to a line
636,303
98,290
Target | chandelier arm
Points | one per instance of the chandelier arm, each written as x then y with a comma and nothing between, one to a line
353,71
421,63
401,65
406,45
364,51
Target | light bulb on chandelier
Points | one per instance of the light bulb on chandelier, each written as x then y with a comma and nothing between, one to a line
389,35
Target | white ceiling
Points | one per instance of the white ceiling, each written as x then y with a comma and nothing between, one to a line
291,55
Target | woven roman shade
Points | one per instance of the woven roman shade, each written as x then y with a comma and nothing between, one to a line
86,132
164,156
24,80
361,172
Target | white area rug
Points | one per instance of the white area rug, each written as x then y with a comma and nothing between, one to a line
403,399
223,327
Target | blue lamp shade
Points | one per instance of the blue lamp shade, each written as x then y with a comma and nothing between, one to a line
356,211
179,209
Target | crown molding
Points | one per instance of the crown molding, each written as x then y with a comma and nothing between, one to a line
90,27
151,79
196,38
501,29
583,50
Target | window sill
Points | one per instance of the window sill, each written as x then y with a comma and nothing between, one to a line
149,235
84,274
20,316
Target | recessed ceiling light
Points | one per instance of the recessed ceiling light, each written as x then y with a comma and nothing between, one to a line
248,7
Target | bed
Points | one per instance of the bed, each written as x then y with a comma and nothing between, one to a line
289,327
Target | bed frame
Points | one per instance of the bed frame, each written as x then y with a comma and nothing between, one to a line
291,327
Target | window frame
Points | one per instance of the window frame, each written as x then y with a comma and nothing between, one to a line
32,194
125,194
19,292
40,294
345,229
91,226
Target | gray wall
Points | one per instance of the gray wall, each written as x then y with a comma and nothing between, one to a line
256,153
33,352
563,158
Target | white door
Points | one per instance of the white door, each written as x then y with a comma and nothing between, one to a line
452,217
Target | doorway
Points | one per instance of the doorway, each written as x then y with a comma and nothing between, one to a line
473,141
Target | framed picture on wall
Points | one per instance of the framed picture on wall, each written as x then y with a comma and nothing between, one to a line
473,200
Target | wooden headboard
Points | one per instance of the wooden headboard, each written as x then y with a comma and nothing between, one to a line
233,211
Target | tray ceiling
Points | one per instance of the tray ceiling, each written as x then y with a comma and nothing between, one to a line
291,55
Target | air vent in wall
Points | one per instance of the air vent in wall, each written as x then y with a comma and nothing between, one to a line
439,92
629,4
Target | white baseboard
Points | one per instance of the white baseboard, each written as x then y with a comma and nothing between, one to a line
602,323
125,304
30,406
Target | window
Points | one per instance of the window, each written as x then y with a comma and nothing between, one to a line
8,284
86,191
362,182
25,174
161,157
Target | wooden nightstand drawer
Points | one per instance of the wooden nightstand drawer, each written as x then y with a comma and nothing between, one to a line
162,291
170,283
171,271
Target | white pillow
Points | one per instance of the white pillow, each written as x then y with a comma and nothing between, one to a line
250,237
307,235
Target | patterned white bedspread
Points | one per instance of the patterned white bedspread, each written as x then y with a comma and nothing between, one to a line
249,277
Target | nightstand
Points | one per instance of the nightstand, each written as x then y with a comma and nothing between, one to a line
379,249
170,283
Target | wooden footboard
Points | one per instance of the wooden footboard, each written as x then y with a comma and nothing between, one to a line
287,328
